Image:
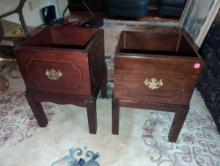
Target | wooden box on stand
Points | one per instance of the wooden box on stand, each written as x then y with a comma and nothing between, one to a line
156,71
64,65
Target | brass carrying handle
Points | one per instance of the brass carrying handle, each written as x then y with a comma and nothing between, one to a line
53,74
153,83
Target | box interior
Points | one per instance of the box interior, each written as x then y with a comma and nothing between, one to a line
172,44
62,37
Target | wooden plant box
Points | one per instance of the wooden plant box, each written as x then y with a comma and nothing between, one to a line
63,65
157,71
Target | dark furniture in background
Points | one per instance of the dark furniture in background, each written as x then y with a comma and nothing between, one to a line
209,83
64,65
128,8
49,14
94,5
157,75
173,8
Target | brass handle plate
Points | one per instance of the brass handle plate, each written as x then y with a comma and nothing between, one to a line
153,83
53,74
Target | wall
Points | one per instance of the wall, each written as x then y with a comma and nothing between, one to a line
62,4
32,13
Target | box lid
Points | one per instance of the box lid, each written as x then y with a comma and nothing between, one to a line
197,18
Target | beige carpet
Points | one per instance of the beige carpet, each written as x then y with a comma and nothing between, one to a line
142,140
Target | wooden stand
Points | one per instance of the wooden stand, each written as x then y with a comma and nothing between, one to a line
35,98
179,118
64,65
155,71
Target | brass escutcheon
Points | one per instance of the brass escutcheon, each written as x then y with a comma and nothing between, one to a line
53,74
153,83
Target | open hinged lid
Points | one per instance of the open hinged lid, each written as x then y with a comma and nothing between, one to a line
197,18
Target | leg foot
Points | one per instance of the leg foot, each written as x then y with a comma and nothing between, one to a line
37,110
92,116
177,124
115,116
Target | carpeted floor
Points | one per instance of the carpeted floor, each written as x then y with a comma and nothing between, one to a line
142,140
66,140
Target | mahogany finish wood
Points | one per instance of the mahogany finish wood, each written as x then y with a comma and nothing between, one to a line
170,59
76,55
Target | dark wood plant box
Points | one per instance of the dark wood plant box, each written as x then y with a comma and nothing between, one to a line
155,71
64,65
146,60
76,54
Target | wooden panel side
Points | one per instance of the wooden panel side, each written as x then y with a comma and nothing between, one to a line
150,41
178,79
35,62
72,36
96,61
